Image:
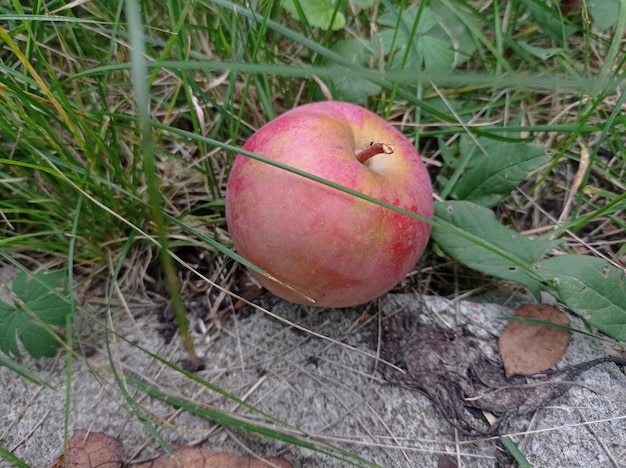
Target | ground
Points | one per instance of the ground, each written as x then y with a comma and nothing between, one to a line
317,372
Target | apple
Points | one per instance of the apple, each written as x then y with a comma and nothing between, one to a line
318,245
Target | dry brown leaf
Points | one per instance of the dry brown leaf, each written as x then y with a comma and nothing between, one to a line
91,450
529,348
194,457
97,450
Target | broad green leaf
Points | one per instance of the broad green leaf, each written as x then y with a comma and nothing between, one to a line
456,32
44,293
8,330
319,13
501,168
42,299
350,87
437,53
593,288
428,51
354,89
486,245
603,12
427,20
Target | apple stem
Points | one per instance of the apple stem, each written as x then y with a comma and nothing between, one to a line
372,150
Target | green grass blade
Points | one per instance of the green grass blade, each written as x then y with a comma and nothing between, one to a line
15,461
7,362
227,419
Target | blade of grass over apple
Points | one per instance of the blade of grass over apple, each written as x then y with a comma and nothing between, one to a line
442,225
512,266
232,254
450,228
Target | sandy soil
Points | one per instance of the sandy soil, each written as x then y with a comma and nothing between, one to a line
324,385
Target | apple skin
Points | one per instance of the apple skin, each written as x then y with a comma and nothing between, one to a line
325,245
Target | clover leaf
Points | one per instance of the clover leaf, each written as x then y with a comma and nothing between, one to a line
318,13
40,300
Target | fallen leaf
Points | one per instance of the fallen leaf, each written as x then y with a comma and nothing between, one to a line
97,450
91,450
194,457
529,348
463,383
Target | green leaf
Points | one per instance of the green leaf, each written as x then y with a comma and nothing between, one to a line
15,461
354,89
456,32
437,53
514,450
501,168
319,13
604,12
427,51
470,233
41,300
351,87
590,286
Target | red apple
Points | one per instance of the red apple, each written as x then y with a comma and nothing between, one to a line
322,246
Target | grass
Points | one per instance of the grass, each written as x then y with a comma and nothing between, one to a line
118,124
